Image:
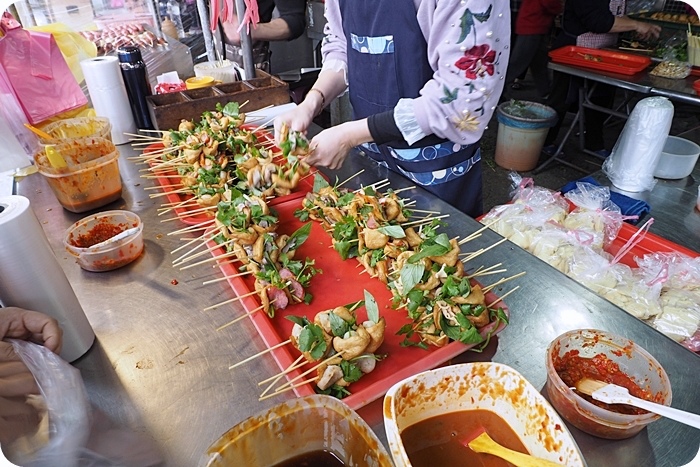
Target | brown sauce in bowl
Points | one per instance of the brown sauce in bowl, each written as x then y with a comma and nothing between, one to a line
438,440
318,458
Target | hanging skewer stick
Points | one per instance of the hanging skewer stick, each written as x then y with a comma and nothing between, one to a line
474,235
481,270
290,388
295,364
166,193
136,135
277,346
405,189
425,220
189,242
425,212
201,226
158,187
483,250
189,213
231,300
503,296
349,178
251,312
313,368
151,131
219,279
189,256
503,281
214,258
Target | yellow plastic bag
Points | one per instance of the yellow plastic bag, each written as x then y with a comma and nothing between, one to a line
74,47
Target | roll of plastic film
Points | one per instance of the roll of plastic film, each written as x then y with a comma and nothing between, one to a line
31,278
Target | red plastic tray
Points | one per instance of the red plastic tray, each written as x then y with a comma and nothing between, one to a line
597,59
340,284
306,184
651,243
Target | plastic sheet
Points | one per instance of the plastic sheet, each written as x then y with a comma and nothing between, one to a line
594,213
631,164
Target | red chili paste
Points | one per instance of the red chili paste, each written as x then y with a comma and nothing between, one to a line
572,368
99,233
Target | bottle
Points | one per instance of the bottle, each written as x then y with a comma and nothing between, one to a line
136,82
176,17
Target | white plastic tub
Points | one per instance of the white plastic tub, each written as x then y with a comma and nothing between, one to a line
678,158
479,386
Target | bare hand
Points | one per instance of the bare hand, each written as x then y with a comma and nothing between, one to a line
17,419
17,323
330,148
297,119
647,30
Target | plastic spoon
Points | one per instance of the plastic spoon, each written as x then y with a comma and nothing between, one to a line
613,394
116,238
38,132
55,158
485,444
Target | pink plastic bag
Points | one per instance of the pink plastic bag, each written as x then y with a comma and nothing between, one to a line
42,82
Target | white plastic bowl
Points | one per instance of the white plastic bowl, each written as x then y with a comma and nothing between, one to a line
677,159
479,386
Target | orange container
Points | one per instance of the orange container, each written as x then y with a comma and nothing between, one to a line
91,178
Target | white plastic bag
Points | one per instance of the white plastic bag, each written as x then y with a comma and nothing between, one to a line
66,400
631,164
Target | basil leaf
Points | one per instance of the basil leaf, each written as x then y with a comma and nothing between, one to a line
306,339
436,246
371,307
395,231
411,274
231,109
338,325
300,320
319,182
298,237
345,199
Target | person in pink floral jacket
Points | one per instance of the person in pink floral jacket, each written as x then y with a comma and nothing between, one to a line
424,78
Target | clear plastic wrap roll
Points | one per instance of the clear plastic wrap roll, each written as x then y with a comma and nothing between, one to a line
108,95
31,278
631,164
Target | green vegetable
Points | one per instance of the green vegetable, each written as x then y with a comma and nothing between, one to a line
371,307
395,231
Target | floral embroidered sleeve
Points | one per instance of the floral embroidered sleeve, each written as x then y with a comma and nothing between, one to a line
468,49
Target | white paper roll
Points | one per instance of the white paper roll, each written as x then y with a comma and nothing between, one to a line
104,81
631,164
31,278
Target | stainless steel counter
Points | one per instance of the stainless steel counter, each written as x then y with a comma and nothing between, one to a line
159,366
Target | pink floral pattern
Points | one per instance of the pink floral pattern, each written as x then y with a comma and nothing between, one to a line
477,62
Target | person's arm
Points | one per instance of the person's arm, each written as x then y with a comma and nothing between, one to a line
293,14
644,30
289,25
470,62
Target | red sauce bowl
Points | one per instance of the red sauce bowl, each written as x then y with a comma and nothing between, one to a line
632,360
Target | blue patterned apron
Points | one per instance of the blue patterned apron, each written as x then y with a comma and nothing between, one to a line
387,61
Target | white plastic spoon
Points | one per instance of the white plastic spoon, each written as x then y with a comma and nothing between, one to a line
613,394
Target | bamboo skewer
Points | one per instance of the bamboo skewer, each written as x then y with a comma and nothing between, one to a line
313,368
189,242
219,279
185,258
231,300
259,354
481,270
201,226
503,296
189,213
348,179
425,220
474,235
251,312
290,388
214,258
483,250
295,364
405,189
503,281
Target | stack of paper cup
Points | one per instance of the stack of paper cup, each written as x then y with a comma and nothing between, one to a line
108,95
31,278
